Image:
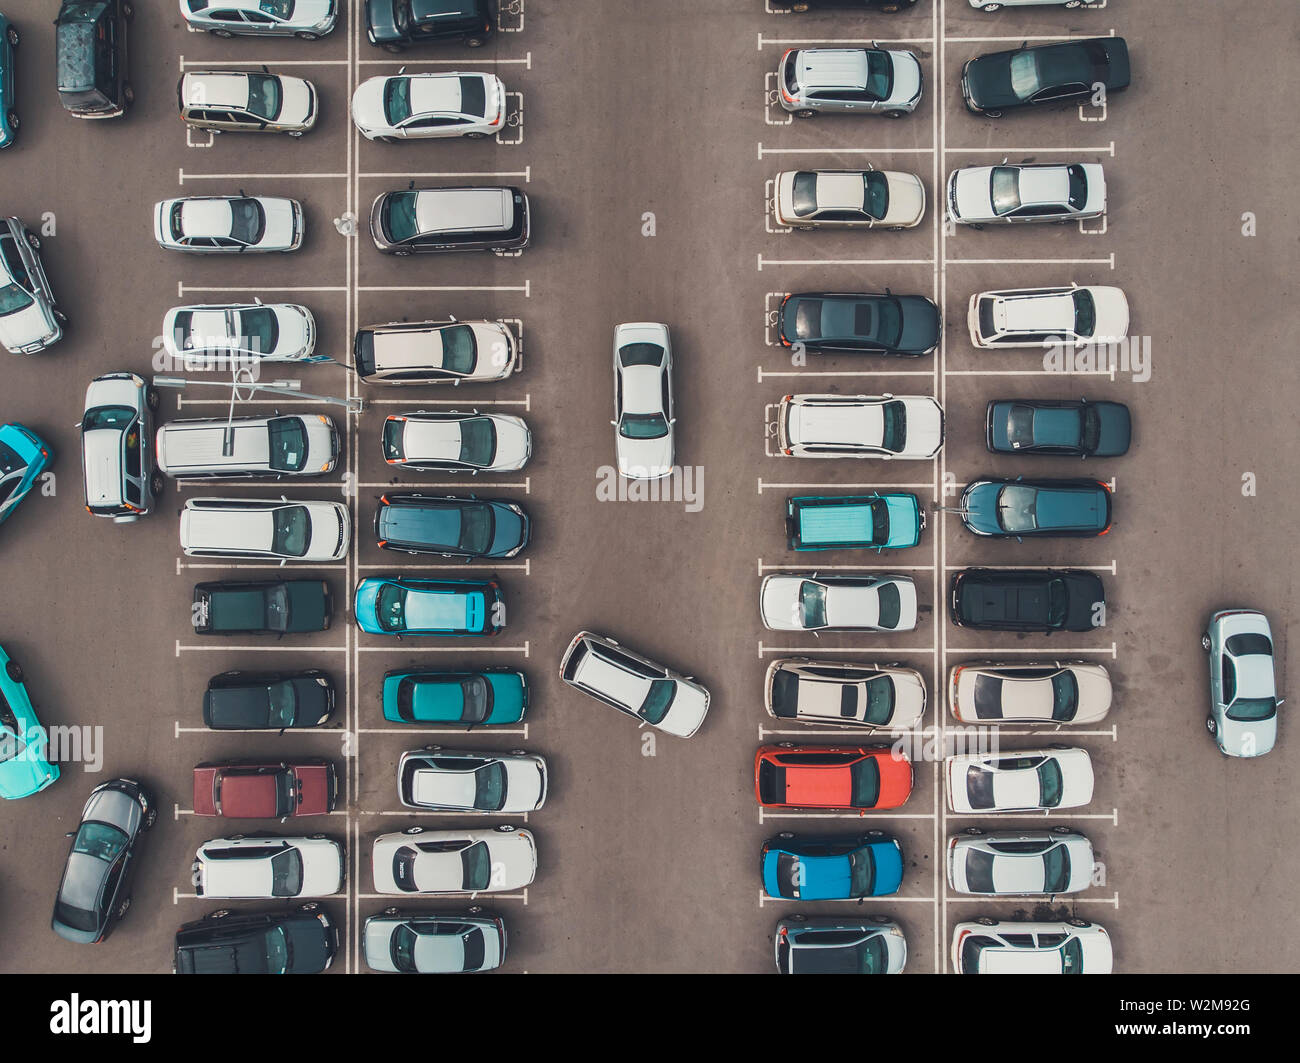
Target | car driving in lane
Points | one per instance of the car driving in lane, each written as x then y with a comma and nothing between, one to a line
25,768
465,529
1020,864
214,225
303,940
1022,780
268,701
1035,317
859,323
458,780
643,401
1026,194
429,105
837,777
1061,72
1073,428
469,699
402,605
813,602
1031,692
835,945
234,101
848,199
456,441
844,693
1020,508
1041,600
889,427
819,867
1013,946
1243,685
24,459
487,860
397,942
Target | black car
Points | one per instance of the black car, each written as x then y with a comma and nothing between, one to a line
865,323
302,941
90,57
1050,73
466,529
268,701
395,24
1041,600
841,5
1074,428
95,889
260,607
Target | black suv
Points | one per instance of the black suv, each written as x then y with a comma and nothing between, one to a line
268,701
799,6
1041,600
396,24
90,57
261,607
303,941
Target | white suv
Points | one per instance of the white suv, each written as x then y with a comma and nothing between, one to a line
266,529
859,426
1031,317
1002,946
253,866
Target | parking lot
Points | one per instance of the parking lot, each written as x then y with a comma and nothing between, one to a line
645,135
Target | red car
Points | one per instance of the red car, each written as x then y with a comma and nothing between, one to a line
831,777
265,791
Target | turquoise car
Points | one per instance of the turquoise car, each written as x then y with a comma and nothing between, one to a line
467,698
24,769
395,605
854,522
24,456
8,107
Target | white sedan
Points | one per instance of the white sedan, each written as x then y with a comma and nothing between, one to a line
457,442
304,19
864,199
998,5
1027,780
843,693
228,224
1043,692
984,195
643,401
258,866
452,780
1033,863
268,529
454,861
239,333
1032,317
421,106
799,602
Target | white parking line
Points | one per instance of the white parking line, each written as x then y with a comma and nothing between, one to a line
1108,149
1030,37
1110,373
478,60
512,7
763,374
836,42
771,102
813,566
815,648
762,151
514,120
763,900
1108,261
185,565
407,648
1055,652
842,262
1059,731
1050,813
461,731
391,897
768,222
525,485
182,288
525,402
225,647
179,730
839,732
190,143
217,64
1036,568
864,814
823,486
457,565
436,813
182,176
526,288
1065,898
526,173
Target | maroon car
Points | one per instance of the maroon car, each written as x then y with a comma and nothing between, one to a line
265,791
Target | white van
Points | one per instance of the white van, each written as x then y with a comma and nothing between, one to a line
297,445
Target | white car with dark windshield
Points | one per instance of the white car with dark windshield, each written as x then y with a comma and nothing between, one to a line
908,427
228,224
1046,192
266,529
813,602
491,860
1015,864
225,334
457,442
643,401
457,780
1025,780
422,106
305,19
843,693
1032,317
848,199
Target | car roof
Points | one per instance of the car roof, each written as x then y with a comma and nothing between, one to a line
409,347
597,671
463,209
1035,312
1044,184
206,217
832,68
219,89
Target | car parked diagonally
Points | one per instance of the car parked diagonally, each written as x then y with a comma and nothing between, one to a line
24,459
25,768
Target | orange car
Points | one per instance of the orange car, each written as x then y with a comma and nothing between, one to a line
831,777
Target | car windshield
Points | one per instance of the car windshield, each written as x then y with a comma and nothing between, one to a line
1056,869
880,700
258,330
879,521
803,194
890,603
276,945
264,96
1058,601
402,949
1005,189
865,776
278,8
397,100
292,533
1252,710
475,949
1090,436
1050,783
1020,426
862,873
1078,186
393,443
873,956
390,607
658,700
1085,313
473,96
283,704
11,742
643,426
979,871
1249,644
12,299
100,840
285,794
812,603
398,216
1072,957
1065,697
476,868
875,194
247,220
477,528
880,74
286,873
276,601
288,444
478,441
107,417
894,426
1025,76
459,351
9,460
887,326
477,695
490,787
1017,511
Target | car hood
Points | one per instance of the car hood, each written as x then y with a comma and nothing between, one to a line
525,783
688,710
377,943
380,21
1112,314
281,223
924,428
29,772
298,105
646,459
312,945
904,520
1115,429
972,191
988,81
1234,736
921,324
1085,590
509,530
32,324
906,199
514,444
778,597
907,77
368,103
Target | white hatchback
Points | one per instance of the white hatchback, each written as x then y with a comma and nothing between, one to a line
986,195
1003,946
1024,780
260,866
810,602
491,860
265,529
848,199
423,106
453,441
1032,317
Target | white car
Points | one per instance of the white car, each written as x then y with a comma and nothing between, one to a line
858,199
643,401
844,693
1033,863
1023,780
907,427
490,860
228,224
625,680
1032,317
1043,692
984,195
453,441
420,106
305,19
997,5
239,333
810,602
254,866
1001,946
30,320
453,780
232,101
1243,683
435,352
268,529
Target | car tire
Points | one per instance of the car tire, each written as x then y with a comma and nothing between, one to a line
1073,3
991,7
1076,921
518,752
1205,642
1062,830
785,745
800,8
12,34
895,114
805,113
475,136
128,12
974,832
12,118
1210,725
875,833
413,830
985,920
14,671
798,917
128,95
122,909
33,241
297,132
401,252
157,483
394,48
505,828
302,35
223,34
786,835
475,909
220,913
152,398
316,837
310,906
880,920
390,911
475,42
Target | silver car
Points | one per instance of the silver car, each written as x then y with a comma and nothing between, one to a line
841,693
849,81
1243,686
848,199
429,943
1015,864
429,105
987,195
30,320
304,19
1033,692
266,529
643,401
228,224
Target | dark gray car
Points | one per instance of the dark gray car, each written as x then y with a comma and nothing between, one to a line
95,889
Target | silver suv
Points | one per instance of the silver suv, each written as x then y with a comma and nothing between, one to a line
849,81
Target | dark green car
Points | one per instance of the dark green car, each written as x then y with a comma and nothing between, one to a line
261,607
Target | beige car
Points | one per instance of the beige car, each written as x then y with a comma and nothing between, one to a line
247,102
848,199
1035,692
843,693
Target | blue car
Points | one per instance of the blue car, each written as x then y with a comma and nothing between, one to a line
393,605
23,457
24,769
8,111
829,868
845,522
1016,509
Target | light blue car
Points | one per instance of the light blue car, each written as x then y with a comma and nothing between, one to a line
23,458
24,769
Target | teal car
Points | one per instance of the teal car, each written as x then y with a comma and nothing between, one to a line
395,605
24,769
24,456
8,107
470,699
854,522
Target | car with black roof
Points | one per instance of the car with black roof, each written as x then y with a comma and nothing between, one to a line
261,607
302,941
1038,600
